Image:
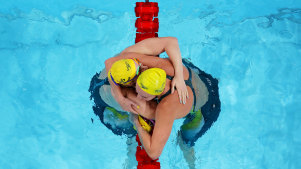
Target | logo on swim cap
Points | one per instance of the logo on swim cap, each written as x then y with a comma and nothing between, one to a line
152,81
122,71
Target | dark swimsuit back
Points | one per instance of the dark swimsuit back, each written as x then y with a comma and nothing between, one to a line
187,82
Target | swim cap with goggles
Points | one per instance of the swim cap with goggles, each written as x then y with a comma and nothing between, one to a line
152,81
124,71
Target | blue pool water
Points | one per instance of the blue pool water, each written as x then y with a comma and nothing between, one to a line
49,50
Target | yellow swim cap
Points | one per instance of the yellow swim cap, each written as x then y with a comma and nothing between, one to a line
152,81
122,71
144,124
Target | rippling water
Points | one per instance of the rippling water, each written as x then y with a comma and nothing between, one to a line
49,50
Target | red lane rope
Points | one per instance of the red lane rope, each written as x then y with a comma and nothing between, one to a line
147,25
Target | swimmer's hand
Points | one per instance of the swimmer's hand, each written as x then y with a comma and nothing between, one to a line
179,83
127,105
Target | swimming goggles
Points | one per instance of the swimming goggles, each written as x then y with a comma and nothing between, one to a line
137,72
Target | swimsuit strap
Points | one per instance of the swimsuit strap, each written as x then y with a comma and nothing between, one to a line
187,82
162,97
169,77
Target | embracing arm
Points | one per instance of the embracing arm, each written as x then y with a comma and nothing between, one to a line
170,45
166,112
144,108
154,144
156,46
125,103
153,47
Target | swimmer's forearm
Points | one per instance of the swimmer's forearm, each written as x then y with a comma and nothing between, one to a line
116,92
145,138
174,54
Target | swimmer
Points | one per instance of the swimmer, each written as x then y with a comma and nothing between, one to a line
204,104
201,108
123,71
200,111
105,87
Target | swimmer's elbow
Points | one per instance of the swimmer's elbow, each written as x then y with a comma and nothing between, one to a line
108,63
154,155
172,40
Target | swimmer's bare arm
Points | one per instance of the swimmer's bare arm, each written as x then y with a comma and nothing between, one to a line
153,47
170,45
154,144
156,46
125,103
167,111
145,108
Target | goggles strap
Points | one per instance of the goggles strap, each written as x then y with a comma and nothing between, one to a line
137,72
138,63
113,79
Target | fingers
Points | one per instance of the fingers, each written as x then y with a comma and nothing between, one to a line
183,95
132,104
180,96
187,94
133,110
172,87
135,105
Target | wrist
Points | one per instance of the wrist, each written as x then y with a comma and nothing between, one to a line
119,98
179,70
179,75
